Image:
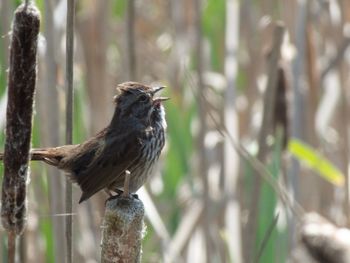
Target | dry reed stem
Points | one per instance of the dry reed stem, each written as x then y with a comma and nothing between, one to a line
265,130
69,123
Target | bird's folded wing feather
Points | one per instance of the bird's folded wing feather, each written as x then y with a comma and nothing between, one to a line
109,164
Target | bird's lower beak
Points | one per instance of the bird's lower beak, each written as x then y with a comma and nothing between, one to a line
159,100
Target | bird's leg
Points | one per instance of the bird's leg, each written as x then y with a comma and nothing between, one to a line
120,193
126,192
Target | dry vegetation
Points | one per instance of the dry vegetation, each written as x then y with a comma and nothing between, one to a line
227,188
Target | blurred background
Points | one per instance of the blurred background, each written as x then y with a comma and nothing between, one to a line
206,202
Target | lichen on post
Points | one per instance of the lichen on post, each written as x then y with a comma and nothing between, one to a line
21,88
122,230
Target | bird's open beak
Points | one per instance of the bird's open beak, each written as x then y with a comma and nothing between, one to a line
158,100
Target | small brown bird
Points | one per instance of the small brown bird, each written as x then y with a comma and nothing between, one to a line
130,144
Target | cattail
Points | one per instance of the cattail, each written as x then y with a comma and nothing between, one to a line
21,87
122,230
281,107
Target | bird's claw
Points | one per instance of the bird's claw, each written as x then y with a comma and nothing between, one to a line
121,194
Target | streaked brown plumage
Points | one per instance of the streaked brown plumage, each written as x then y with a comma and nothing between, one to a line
132,141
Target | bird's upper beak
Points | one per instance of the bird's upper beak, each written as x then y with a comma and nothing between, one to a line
156,89
158,100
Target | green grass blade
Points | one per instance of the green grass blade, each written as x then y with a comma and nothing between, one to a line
266,238
315,161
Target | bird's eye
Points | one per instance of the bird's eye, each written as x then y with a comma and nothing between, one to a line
143,98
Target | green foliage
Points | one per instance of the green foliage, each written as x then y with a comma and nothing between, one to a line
46,230
3,248
315,161
41,6
241,80
119,8
180,142
213,21
268,203
277,240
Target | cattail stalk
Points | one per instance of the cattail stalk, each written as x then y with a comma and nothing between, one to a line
21,88
265,130
122,230
69,123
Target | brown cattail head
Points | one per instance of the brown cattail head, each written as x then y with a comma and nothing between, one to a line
281,107
21,87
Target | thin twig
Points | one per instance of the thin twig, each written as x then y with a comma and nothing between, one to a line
339,56
69,121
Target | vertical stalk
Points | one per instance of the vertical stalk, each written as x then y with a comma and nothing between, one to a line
49,115
69,121
130,39
11,247
230,158
298,69
265,130
19,114
201,89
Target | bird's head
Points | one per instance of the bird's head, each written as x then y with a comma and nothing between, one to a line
139,101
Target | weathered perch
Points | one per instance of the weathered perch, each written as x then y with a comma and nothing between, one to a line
122,230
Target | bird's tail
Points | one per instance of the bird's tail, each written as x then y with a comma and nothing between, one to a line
39,155
46,155
50,156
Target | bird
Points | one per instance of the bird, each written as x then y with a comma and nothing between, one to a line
128,147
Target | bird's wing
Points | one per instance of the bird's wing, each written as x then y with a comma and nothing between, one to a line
110,162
